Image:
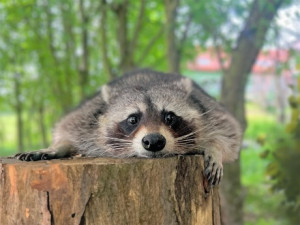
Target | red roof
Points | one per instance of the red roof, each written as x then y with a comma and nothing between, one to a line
266,61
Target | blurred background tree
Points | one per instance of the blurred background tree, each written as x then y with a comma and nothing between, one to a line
54,53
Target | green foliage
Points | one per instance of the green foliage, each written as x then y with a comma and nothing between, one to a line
261,124
7,137
260,205
284,166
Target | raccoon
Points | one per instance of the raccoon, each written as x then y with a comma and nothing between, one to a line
147,114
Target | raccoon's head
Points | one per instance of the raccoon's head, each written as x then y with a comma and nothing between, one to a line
158,121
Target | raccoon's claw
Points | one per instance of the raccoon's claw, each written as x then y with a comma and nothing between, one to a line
213,170
38,155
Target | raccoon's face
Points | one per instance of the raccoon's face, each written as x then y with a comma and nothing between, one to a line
152,123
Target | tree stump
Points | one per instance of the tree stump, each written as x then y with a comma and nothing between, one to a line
98,191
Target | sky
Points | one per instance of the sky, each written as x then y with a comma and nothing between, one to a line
288,20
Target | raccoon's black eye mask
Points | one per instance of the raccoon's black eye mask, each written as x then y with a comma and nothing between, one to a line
171,119
133,120
177,124
128,125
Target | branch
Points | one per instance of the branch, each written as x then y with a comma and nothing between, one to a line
219,56
138,26
185,34
150,45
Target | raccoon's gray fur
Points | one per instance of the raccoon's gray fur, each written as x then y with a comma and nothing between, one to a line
148,114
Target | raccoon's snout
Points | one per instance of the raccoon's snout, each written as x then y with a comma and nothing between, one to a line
154,142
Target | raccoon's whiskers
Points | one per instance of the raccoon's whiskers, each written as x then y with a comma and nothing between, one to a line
122,135
118,139
186,144
192,133
120,147
120,144
208,111
186,136
120,152
187,139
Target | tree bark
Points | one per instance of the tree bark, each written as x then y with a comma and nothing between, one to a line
107,191
234,82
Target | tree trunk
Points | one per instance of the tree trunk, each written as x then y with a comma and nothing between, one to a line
59,86
280,99
84,65
121,11
172,48
27,130
42,125
19,109
107,191
104,42
249,43
70,61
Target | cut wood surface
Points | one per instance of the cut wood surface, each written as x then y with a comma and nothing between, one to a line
107,191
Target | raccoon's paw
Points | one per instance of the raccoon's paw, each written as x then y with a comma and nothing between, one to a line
45,154
59,150
213,169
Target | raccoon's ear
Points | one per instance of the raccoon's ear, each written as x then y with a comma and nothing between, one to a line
186,84
105,90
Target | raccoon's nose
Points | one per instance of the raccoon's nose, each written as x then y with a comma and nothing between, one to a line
154,142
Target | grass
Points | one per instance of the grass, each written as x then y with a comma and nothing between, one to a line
8,143
8,135
261,206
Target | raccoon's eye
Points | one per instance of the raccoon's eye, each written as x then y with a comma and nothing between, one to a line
170,118
132,120
128,125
